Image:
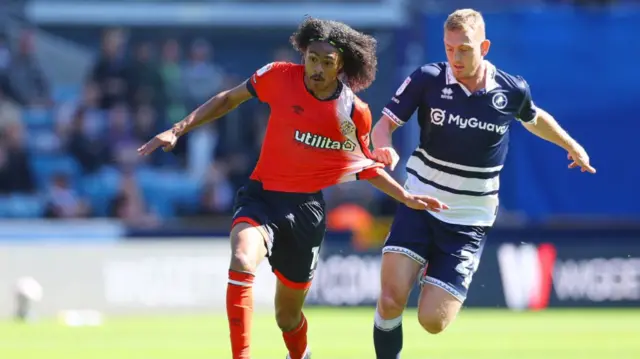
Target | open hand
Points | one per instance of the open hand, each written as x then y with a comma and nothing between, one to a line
167,140
421,202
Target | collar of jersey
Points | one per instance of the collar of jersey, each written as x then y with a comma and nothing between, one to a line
490,80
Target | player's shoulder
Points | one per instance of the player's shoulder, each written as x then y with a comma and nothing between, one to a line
278,67
430,71
510,82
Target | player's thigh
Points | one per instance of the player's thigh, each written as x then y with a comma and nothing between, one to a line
294,258
251,233
398,275
453,259
404,253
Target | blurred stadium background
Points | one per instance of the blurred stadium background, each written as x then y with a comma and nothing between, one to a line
132,253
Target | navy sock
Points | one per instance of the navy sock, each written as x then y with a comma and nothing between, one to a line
387,337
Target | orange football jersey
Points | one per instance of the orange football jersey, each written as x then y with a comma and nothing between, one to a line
309,144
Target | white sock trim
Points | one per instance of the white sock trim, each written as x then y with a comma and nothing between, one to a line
386,324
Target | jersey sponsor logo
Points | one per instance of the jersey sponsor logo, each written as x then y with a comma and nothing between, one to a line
439,118
323,142
447,93
499,101
403,86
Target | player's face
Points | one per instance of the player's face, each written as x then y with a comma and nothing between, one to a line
322,65
465,51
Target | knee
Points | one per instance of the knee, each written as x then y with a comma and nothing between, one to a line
391,302
242,261
288,319
433,323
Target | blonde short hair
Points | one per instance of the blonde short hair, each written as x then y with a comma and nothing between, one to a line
465,20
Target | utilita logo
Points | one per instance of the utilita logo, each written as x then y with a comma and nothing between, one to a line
527,274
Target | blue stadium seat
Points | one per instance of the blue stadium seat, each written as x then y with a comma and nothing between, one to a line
38,117
100,189
21,206
66,93
45,166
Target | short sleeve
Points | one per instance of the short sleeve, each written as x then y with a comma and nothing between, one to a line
527,112
263,83
409,95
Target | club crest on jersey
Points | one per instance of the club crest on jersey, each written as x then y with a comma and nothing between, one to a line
347,128
323,142
403,86
499,101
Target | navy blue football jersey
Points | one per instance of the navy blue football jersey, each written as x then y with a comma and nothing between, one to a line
464,137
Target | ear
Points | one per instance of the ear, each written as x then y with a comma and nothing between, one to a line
484,47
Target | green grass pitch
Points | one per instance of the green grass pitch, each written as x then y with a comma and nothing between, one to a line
338,333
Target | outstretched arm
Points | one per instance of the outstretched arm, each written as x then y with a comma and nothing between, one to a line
216,107
547,128
385,183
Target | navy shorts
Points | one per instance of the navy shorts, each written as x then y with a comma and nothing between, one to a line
450,252
293,225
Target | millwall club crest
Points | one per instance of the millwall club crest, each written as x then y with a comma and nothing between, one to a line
347,128
499,101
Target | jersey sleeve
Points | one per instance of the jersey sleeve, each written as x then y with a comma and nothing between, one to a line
527,112
265,82
408,96
362,120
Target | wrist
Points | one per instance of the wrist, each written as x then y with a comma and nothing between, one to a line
406,196
177,129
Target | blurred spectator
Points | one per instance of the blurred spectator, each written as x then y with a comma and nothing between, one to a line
85,145
15,172
63,201
147,85
129,206
9,111
112,72
171,72
203,78
89,104
121,140
26,79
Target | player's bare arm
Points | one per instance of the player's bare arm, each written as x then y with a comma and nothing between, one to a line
385,183
218,106
547,128
381,136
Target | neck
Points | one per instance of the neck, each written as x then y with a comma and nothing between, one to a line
477,81
321,93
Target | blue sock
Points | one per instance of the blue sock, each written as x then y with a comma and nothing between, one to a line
387,337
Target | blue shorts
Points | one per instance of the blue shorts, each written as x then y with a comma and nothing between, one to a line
450,252
293,225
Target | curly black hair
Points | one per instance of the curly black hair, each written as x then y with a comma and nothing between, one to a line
358,50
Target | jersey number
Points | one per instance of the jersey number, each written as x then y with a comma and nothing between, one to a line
316,253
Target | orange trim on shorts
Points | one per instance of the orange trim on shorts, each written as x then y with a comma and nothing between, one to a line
290,284
249,220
